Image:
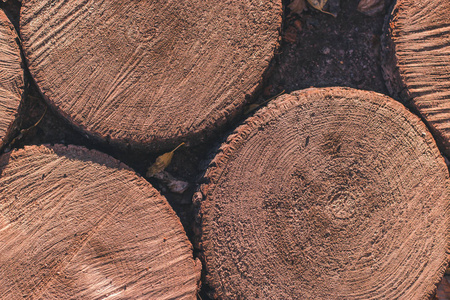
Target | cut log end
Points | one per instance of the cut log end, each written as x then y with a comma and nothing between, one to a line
149,73
77,224
326,194
11,79
416,61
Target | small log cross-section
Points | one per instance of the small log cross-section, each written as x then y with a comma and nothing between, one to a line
11,78
416,61
77,224
326,194
149,73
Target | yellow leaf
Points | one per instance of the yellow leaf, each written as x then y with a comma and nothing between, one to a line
252,107
161,162
319,4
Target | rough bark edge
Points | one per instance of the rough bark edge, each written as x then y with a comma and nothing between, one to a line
276,108
82,153
394,81
391,75
193,137
14,126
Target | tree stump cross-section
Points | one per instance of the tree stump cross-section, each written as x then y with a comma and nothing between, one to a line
77,224
327,193
149,73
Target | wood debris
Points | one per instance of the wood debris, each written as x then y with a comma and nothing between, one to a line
319,4
371,7
297,6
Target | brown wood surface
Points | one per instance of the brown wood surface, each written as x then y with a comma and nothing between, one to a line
417,61
327,193
149,73
11,78
78,224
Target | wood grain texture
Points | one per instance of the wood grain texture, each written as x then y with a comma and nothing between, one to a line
327,193
78,224
416,61
11,78
149,73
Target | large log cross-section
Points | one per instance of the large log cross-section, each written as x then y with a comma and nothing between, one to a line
326,194
149,73
78,224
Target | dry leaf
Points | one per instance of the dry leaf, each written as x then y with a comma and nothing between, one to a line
371,7
252,107
161,162
297,6
174,185
319,4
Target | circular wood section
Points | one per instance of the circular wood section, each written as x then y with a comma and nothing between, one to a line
78,224
417,61
327,193
149,73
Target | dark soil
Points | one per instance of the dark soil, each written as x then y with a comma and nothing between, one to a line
327,51
316,50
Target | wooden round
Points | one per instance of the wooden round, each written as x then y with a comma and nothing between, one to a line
149,73
11,78
326,194
417,61
78,224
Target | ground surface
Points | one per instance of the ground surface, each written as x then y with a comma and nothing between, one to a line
317,50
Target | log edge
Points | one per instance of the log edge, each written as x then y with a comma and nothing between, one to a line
13,128
395,82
